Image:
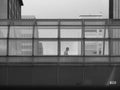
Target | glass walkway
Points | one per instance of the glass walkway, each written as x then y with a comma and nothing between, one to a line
60,41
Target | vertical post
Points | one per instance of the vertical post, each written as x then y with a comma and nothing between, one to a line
59,34
83,48
7,65
33,30
8,36
59,53
110,32
83,41
105,29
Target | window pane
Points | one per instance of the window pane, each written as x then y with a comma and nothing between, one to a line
97,59
115,31
21,32
3,47
3,32
71,33
115,47
71,23
70,48
20,47
106,52
96,32
23,22
93,48
47,22
45,47
95,22
46,32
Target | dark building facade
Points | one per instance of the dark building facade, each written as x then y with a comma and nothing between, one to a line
14,9
114,9
10,9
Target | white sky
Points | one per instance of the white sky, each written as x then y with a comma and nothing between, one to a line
64,8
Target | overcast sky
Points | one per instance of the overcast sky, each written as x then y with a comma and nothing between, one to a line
64,8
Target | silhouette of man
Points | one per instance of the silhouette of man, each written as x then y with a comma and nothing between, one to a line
66,51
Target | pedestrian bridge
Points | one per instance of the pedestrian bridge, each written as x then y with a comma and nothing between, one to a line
32,52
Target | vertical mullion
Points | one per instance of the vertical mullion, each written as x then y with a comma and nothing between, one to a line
83,41
59,42
8,35
118,10
110,42
105,29
33,33
59,52
83,48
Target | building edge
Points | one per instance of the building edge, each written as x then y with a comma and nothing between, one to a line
110,9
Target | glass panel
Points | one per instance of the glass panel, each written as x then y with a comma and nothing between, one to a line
21,32
115,47
70,48
71,33
46,32
3,32
115,31
47,22
106,49
23,22
45,60
4,22
71,60
115,60
20,59
70,27
93,48
94,22
3,47
20,47
96,32
115,21
3,59
45,48
71,22
97,59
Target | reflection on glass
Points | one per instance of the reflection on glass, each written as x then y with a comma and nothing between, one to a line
71,23
106,52
3,47
71,33
49,23
96,48
21,32
3,32
116,47
45,47
90,22
93,48
20,47
96,32
115,32
46,32
70,48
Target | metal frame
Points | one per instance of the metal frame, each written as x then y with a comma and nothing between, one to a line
58,39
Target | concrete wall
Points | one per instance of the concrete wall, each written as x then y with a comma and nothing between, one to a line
3,9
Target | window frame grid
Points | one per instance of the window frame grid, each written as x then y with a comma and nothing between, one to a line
57,39
83,39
